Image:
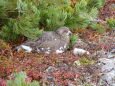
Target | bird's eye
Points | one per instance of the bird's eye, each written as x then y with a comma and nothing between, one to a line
65,31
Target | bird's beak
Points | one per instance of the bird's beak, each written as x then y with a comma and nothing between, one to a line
70,33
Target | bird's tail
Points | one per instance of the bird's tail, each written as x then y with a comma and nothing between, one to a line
23,47
17,48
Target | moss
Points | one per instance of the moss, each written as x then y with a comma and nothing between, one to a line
87,85
85,61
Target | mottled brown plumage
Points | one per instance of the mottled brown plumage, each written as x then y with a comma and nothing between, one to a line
49,42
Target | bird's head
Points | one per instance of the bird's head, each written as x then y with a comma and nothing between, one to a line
64,31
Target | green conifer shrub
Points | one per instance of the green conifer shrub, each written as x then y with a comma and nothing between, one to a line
98,27
20,80
95,3
53,13
30,17
81,16
111,23
25,24
2,8
73,40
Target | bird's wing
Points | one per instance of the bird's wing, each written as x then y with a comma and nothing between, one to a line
48,36
43,40
47,39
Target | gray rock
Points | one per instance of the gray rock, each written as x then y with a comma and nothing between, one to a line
50,78
107,71
106,64
50,69
108,79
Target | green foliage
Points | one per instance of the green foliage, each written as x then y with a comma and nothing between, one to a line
95,3
16,28
30,17
2,8
53,13
73,40
46,15
24,25
111,23
20,80
82,16
98,27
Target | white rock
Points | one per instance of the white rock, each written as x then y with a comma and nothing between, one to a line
111,56
77,63
27,48
79,51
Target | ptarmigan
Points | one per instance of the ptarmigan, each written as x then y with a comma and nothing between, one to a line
49,42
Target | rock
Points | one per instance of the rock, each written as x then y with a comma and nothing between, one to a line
107,70
101,54
63,65
50,69
70,84
50,78
108,79
79,51
111,56
77,63
106,64
113,51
